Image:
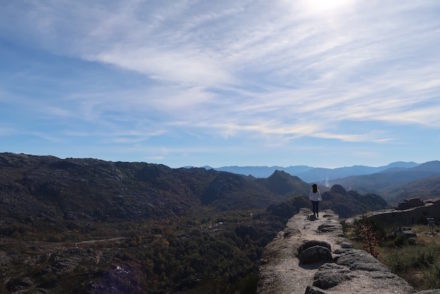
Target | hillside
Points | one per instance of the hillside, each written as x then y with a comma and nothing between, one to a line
425,189
389,182
46,187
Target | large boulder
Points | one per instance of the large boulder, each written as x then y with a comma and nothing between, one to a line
359,260
357,272
330,275
315,254
311,243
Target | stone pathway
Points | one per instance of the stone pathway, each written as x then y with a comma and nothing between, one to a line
349,271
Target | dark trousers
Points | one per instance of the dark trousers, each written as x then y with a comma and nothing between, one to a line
315,207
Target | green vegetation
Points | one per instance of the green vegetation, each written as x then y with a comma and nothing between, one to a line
208,252
417,260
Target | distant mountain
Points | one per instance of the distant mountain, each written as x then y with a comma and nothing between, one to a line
263,171
315,174
424,189
283,183
390,182
49,188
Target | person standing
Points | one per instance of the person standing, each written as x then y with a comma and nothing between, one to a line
315,197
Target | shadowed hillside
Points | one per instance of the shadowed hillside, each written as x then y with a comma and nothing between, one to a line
424,189
50,188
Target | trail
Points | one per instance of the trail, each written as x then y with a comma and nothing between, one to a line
351,271
281,272
63,245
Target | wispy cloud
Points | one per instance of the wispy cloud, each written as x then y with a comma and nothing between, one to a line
279,69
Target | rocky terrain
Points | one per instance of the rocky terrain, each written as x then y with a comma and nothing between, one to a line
94,226
312,256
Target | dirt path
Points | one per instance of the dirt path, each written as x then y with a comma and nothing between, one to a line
62,245
281,272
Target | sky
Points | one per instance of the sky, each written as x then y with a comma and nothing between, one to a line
231,82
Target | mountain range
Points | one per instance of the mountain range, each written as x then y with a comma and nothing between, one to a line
315,174
49,188
397,184
394,182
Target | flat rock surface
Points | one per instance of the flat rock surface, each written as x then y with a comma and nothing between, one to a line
350,271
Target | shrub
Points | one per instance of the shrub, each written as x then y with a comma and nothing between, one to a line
432,277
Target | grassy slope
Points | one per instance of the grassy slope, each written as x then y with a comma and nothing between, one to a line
418,263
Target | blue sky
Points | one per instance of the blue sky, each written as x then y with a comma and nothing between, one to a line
322,83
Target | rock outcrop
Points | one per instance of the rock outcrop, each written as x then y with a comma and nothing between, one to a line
315,254
322,261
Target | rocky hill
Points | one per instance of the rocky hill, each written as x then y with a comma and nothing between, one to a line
46,187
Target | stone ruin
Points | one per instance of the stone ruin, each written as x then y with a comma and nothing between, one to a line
410,203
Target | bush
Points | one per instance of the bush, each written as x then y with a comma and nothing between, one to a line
432,277
411,259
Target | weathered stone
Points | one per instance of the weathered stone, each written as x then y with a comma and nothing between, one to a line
331,227
308,244
315,254
354,256
365,266
330,275
346,245
314,290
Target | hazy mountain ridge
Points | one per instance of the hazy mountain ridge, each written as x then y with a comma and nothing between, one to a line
315,174
425,188
392,183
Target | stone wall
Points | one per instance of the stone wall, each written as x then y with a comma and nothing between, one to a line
410,216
